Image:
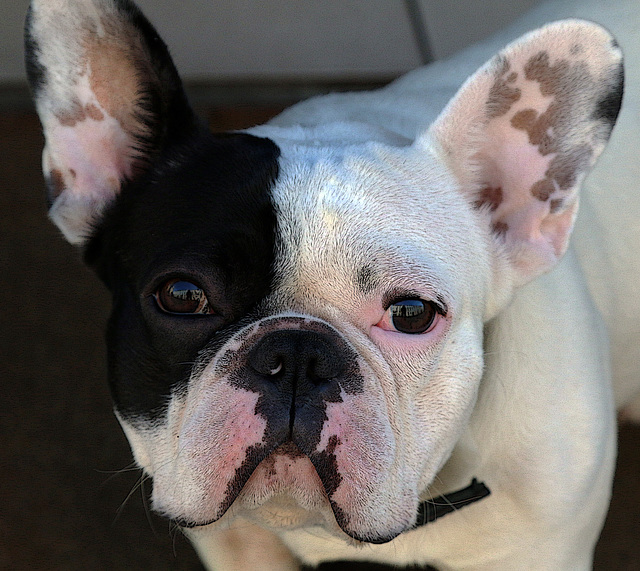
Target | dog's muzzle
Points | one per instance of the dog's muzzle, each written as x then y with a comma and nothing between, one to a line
302,366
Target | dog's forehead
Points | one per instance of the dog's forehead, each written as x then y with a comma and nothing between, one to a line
350,218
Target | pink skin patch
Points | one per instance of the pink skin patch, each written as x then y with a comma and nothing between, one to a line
89,146
361,440
93,156
359,446
356,453
220,426
240,430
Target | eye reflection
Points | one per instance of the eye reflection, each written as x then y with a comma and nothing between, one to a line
412,315
182,297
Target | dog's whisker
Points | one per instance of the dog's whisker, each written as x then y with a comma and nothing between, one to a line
145,504
132,467
112,474
138,485
174,532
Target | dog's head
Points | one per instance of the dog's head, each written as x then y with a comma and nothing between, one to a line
298,316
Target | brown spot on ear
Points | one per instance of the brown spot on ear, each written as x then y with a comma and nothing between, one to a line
539,127
502,96
490,196
566,167
500,229
94,112
78,113
554,79
556,205
72,117
543,189
563,172
525,120
552,130
117,66
55,185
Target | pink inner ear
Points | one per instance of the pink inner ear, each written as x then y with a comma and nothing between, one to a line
87,156
539,143
91,157
535,228
513,166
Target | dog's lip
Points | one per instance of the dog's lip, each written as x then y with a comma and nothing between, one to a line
291,450
288,449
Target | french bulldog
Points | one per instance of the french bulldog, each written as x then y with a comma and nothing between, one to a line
366,315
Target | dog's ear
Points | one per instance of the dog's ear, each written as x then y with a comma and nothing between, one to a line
108,97
522,133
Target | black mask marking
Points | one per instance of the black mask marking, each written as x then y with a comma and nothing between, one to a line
209,215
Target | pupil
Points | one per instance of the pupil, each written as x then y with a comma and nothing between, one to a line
182,297
412,316
185,291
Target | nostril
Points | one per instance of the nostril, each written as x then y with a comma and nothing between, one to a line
324,367
273,372
264,361
306,357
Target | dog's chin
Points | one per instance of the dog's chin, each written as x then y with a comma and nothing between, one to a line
284,491
284,487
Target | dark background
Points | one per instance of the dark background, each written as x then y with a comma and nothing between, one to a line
69,496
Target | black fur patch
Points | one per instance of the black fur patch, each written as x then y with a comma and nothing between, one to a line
197,207
608,107
204,215
366,279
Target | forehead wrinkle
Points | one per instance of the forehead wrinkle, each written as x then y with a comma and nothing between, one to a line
409,265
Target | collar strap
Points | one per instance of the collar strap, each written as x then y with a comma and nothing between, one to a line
432,509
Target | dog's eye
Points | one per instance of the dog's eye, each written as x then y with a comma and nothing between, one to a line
412,316
179,296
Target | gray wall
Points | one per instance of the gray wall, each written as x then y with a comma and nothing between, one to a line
321,39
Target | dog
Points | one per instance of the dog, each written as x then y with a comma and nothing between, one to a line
361,331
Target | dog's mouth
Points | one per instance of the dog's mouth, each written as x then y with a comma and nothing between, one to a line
284,476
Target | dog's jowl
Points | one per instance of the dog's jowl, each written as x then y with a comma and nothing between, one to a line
326,327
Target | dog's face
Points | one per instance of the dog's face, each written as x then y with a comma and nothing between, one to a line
298,317
284,337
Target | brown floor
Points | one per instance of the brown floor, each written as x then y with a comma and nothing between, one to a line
69,499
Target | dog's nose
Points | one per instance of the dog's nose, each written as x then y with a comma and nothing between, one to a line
299,361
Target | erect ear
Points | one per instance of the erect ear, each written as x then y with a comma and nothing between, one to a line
108,97
522,133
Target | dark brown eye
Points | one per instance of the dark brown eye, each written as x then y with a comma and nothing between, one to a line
183,297
412,315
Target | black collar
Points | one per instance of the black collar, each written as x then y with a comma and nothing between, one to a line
432,509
